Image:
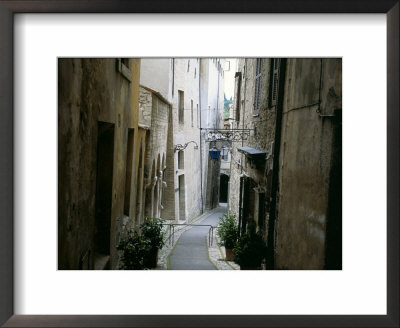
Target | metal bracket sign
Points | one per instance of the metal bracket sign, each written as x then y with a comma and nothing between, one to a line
233,135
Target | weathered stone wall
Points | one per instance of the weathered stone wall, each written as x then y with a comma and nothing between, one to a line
91,90
262,134
306,157
310,155
212,107
145,107
154,109
179,74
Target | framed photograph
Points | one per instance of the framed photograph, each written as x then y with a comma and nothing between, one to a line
222,96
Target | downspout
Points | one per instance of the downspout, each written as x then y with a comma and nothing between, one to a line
275,176
217,116
201,151
215,202
244,107
241,157
173,76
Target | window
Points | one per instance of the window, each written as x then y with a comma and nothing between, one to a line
128,172
181,160
224,153
188,65
123,66
180,106
191,110
125,61
257,87
197,114
274,81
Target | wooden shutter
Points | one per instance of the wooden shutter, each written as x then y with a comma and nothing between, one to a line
238,78
257,87
274,81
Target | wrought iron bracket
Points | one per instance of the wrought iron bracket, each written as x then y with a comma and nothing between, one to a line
180,147
233,135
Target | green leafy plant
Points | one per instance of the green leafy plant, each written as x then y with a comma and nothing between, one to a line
250,250
152,231
139,250
228,230
134,249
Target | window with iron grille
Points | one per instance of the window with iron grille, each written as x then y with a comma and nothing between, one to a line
274,81
257,88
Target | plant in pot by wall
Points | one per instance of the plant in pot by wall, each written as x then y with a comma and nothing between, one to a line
250,251
140,250
228,233
134,249
152,232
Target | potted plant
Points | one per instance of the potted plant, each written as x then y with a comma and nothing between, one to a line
152,233
134,249
249,251
228,233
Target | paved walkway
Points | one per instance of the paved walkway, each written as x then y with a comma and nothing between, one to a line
190,252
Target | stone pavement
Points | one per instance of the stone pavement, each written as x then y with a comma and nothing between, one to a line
190,252
216,254
168,247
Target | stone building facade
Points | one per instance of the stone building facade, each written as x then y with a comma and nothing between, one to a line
154,116
212,109
185,122
98,157
286,178
187,83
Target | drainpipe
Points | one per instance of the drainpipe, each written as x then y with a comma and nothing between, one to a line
201,151
216,116
275,176
244,106
173,76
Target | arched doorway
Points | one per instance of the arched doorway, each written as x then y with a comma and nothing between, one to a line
223,188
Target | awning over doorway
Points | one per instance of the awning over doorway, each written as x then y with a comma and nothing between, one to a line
252,153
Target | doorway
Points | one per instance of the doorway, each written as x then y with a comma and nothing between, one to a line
182,197
223,188
104,181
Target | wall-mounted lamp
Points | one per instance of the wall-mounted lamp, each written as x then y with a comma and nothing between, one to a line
183,147
214,153
225,152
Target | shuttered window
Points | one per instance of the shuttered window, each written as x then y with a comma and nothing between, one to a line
274,82
238,80
257,87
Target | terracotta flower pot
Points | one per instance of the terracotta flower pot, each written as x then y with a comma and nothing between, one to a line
229,254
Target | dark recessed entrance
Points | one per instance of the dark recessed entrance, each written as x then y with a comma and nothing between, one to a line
104,180
223,188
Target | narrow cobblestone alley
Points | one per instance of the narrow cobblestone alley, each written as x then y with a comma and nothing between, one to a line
190,252
144,183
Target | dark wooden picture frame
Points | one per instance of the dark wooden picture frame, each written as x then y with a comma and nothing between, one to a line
10,7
